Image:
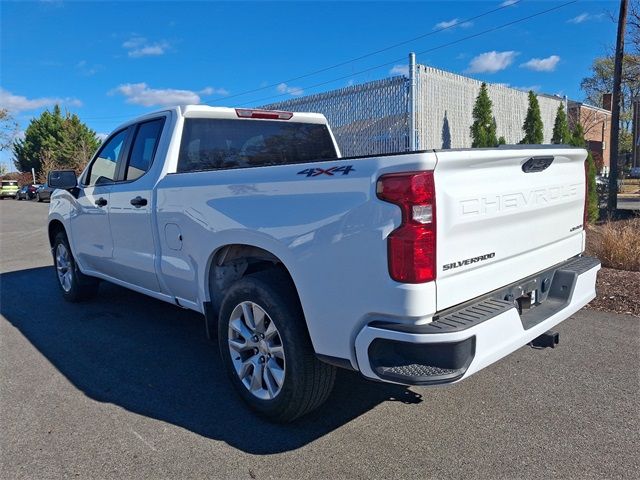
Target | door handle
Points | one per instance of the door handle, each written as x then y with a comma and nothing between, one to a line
138,202
101,202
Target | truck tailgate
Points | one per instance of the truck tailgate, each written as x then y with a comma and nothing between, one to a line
504,214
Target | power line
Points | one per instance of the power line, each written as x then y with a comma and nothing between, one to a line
448,44
346,62
370,54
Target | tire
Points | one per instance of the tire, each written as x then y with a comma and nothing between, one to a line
287,354
38,197
75,286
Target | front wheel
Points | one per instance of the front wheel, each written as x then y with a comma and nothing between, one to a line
74,284
266,349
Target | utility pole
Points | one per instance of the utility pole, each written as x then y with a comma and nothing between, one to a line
612,203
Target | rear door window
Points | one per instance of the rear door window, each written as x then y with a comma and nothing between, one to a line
214,144
144,148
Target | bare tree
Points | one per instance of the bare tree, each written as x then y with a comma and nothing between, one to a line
633,27
48,163
8,129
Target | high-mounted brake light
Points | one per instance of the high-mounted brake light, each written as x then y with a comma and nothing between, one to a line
412,246
266,114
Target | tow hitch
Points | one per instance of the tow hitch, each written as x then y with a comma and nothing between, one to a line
547,339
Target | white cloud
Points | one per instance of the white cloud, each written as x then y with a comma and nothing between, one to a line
141,94
284,88
451,23
18,103
138,46
506,3
585,17
102,136
542,64
491,62
400,70
213,91
87,69
535,88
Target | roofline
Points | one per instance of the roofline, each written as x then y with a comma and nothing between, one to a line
592,107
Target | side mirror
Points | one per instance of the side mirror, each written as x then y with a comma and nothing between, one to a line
63,179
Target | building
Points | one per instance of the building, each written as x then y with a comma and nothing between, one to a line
596,122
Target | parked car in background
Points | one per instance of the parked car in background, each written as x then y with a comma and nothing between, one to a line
44,192
27,192
634,172
9,188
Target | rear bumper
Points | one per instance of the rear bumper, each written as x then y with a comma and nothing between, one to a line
8,194
467,338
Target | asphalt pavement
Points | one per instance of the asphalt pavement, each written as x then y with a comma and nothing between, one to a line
128,387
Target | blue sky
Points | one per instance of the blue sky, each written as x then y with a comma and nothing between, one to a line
110,61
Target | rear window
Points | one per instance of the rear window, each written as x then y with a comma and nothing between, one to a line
215,144
9,183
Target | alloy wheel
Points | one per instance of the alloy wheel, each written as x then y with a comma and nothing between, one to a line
256,350
63,267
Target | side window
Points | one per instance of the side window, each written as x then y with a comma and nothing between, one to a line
144,148
103,168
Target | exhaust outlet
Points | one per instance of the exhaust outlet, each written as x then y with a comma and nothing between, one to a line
548,339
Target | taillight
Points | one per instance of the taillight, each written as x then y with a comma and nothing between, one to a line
266,114
412,246
585,212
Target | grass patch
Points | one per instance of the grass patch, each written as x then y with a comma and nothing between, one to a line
616,244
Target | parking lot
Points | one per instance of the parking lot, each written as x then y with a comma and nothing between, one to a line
126,386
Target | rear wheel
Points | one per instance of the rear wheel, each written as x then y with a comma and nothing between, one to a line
74,284
266,348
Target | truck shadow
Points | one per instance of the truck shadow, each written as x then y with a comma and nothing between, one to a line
153,359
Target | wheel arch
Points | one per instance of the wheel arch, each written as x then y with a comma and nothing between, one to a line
55,227
228,264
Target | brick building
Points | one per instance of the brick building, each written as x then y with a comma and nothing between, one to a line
596,122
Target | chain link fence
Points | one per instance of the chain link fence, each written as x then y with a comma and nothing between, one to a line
366,119
375,117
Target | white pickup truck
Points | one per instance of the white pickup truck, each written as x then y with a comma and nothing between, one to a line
418,268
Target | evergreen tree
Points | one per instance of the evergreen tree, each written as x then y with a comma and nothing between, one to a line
60,141
561,133
533,127
577,137
593,210
483,130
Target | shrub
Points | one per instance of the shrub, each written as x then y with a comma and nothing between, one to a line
616,244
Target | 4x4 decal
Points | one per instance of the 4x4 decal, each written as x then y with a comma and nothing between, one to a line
314,172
